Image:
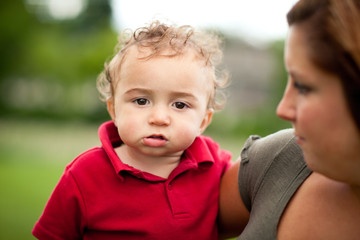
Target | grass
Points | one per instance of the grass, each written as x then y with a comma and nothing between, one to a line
33,155
24,188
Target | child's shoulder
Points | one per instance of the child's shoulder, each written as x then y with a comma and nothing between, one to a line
92,158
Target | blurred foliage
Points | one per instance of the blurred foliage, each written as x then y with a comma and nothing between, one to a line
280,75
262,120
49,67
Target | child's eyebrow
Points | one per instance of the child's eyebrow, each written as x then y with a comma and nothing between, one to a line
174,94
138,90
184,95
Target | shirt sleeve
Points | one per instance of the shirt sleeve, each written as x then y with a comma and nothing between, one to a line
64,214
257,156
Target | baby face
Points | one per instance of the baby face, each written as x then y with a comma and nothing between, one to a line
160,105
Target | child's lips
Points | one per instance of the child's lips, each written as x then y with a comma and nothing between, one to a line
155,141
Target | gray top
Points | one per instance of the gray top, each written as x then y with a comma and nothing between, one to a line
272,169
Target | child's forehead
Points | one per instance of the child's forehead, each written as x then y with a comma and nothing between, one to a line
141,53
137,60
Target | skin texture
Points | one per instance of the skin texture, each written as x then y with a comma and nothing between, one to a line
159,107
327,205
314,103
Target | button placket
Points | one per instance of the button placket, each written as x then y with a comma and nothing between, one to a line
176,201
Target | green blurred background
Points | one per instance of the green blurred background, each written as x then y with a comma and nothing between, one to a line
49,106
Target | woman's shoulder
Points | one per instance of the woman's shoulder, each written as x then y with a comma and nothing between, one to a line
332,206
272,169
270,145
274,158
259,151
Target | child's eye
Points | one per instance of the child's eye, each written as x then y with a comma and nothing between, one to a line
302,89
180,105
141,101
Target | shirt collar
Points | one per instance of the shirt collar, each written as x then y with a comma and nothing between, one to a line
199,151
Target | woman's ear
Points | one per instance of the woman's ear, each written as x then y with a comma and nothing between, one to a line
207,120
110,108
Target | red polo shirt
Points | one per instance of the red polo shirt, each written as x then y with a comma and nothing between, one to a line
99,197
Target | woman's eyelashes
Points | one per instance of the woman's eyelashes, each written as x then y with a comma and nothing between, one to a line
302,88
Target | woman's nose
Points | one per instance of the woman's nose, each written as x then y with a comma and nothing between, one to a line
159,116
286,108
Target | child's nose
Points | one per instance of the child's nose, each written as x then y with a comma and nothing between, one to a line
159,116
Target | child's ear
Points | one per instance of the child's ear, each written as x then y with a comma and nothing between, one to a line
207,120
110,108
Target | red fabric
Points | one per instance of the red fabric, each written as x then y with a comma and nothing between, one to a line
99,197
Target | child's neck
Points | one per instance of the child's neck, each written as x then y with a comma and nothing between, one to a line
160,166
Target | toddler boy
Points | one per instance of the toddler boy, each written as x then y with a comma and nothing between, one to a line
155,176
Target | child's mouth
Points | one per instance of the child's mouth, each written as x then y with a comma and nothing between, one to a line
157,137
155,141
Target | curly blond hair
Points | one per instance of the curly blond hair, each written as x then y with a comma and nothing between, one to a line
159,38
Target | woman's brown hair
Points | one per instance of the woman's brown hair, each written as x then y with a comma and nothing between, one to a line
332,29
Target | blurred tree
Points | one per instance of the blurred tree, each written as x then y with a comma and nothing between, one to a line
15,27
49,66
280,74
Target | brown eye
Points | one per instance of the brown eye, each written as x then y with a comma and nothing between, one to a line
141,101
180,105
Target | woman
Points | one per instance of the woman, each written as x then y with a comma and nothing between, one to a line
322,101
